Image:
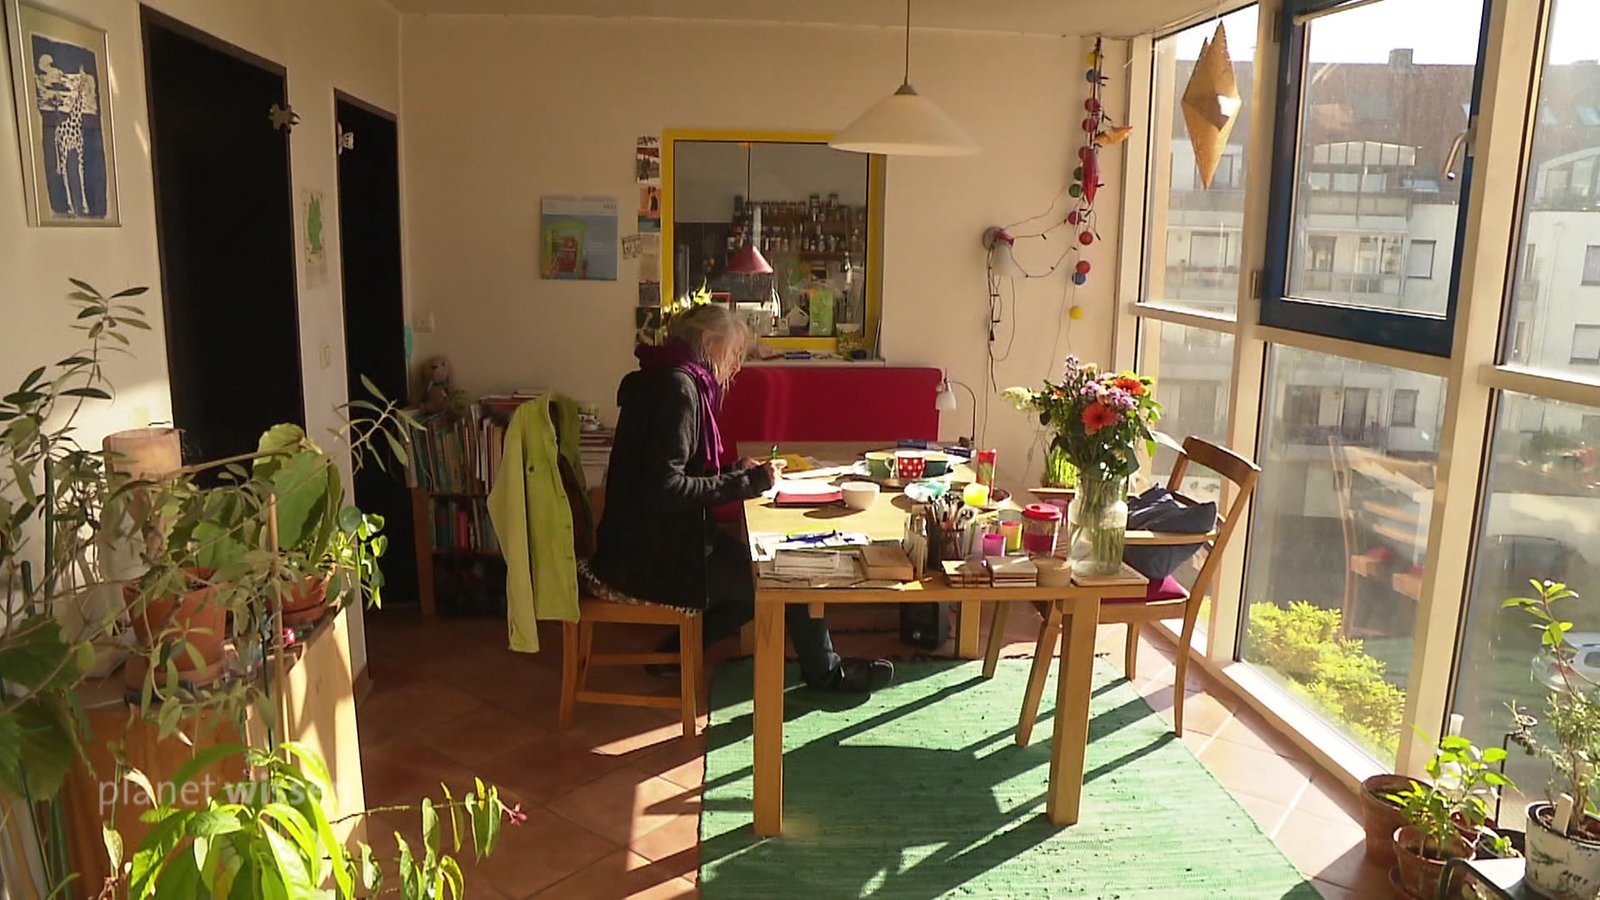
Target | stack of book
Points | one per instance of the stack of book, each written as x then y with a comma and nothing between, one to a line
594,451
446,455
1013,571
808,564
963,573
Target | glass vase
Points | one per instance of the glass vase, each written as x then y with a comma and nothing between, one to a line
1097,522
1059,472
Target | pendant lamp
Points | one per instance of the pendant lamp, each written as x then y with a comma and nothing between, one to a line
905,123
747,260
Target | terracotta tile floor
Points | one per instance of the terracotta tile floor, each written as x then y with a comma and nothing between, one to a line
613,804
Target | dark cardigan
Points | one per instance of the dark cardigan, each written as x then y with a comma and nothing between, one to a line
656,529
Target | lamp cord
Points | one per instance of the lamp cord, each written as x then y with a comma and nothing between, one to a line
906,78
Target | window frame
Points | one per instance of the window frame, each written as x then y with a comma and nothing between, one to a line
1397,329
1433,251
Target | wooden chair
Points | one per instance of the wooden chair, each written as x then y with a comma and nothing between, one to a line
1165,599
577,657
577,641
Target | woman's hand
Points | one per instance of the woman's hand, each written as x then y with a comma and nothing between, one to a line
774,469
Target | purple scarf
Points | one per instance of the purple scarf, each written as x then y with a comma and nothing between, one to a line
675,354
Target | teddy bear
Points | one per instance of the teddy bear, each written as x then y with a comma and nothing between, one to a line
436,385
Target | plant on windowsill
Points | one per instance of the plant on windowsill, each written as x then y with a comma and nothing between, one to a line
1564,832
1446,814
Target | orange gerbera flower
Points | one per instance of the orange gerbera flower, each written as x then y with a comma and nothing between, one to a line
1097,416
1133,386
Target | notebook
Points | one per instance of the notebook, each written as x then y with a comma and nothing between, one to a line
806,493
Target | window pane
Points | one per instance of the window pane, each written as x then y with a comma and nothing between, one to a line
1385,89
1193,232
1193,368
1537,524
1557,289
1339,536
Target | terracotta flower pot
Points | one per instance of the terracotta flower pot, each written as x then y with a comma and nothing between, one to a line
1561,867
202,621
1419,875
1380,816
307,601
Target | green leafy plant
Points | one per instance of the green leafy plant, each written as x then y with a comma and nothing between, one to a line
1303,643
1572,709
272,836
1454,802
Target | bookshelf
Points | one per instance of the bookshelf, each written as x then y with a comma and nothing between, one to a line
454,463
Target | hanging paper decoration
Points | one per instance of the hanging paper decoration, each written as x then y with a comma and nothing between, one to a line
1211,104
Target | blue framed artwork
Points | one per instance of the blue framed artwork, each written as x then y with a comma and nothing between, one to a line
64,122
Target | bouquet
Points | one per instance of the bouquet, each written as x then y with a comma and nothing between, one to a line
1097,418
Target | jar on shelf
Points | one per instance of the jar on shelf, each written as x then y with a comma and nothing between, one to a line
1041,527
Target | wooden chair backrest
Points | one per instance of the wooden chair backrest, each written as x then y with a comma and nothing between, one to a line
1240,472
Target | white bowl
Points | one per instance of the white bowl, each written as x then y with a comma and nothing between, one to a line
859,494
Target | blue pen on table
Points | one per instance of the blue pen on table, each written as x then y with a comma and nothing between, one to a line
813,537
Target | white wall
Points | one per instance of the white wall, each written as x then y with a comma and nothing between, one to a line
503,110
352,45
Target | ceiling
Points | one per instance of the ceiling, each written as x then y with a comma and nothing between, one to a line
1121,18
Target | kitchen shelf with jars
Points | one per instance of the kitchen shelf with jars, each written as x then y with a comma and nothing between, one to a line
815,214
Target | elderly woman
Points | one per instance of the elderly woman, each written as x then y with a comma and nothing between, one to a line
657,541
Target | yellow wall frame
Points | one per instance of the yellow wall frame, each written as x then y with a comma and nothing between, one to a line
875,202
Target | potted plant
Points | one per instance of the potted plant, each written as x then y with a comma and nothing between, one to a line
1446,814
1381,815
1098,420
1563,840
273,836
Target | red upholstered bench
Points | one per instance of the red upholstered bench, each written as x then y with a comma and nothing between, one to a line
781,404
784,404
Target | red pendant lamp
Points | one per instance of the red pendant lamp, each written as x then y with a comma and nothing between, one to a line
747,260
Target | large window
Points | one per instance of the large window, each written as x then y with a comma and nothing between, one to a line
1339,537
1376,99
1554,290
1200,266
1541,498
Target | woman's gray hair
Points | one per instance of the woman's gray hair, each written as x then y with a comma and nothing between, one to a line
695,323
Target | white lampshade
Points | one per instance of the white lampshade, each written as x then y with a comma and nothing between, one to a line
905,124
945,399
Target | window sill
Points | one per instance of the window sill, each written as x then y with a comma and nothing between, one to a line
1334,753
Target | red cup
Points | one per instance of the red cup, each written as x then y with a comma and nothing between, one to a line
910,466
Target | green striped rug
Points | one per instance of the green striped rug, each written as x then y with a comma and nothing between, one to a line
920,791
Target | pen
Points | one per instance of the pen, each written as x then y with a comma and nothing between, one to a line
774,452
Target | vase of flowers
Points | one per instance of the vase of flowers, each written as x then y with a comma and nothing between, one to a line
1097,420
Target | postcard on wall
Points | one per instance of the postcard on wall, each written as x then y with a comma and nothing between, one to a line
63,101
646,324
649,293
647,159
578,238
311,206
650,208
631,246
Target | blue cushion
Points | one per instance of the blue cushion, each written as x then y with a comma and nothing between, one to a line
1157,510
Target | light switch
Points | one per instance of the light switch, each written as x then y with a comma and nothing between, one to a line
423,323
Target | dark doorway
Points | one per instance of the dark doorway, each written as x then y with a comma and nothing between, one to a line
374,312
225,227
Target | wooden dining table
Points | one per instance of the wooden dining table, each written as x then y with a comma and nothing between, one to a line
885,521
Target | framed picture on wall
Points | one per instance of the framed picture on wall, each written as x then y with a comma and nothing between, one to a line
63,98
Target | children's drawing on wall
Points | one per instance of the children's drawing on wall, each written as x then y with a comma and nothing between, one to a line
63,102
316,258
